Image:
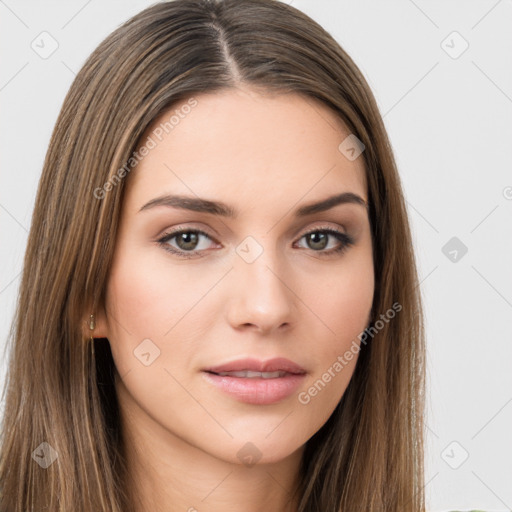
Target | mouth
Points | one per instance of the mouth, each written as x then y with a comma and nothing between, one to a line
250,366
257,382
247,374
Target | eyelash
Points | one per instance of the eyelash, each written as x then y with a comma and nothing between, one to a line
346,242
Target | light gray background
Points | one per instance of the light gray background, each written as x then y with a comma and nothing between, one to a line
449,120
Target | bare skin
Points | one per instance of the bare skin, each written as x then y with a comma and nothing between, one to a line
264,156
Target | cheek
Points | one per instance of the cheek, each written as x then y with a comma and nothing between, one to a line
135,301
351,303
343,304
150,299
342,299
145,298
142,304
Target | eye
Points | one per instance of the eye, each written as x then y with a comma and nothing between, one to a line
187,240
318,239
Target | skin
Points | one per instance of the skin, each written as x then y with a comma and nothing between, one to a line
265,156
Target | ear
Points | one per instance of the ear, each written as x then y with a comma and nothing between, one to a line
100,324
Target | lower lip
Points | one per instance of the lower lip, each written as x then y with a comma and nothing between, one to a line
257,391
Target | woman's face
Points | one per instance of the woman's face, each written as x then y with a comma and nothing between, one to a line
265,281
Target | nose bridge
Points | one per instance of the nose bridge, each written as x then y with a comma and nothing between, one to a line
259,259
263,296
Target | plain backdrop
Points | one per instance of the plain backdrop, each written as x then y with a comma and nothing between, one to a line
442,76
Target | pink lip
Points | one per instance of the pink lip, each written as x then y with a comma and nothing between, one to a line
255,365
257,391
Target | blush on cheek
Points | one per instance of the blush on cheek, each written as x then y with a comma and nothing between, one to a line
347,306
140,295
147,299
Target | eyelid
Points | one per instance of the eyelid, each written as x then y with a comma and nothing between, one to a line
181,228
168,235
322,228
299,233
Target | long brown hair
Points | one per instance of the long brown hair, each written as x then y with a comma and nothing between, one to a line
369,454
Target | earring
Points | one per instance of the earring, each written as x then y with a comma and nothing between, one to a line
92,325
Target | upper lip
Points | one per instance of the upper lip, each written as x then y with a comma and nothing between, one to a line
255,365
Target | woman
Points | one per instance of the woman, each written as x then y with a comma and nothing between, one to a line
219,305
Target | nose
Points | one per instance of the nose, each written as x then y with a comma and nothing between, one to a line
262,297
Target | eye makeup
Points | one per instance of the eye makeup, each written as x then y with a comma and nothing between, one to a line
344,241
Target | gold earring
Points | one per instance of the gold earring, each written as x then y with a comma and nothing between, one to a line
92,325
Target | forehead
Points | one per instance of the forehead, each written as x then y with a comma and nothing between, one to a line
246,145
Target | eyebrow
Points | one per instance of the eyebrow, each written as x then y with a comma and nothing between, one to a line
222,209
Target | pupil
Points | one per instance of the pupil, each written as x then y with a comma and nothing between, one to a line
314,238
192,243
